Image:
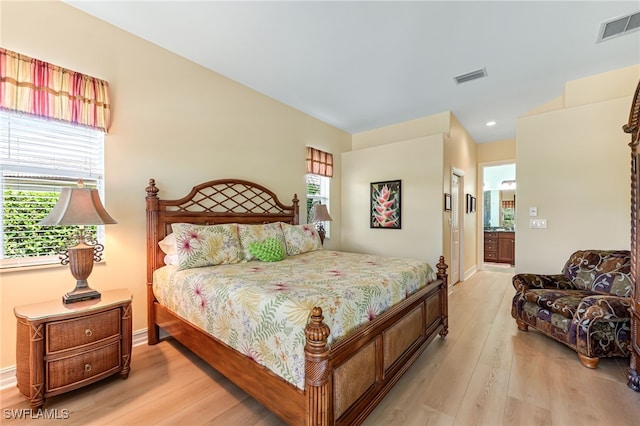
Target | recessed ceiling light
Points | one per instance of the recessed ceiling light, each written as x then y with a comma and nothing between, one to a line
490,123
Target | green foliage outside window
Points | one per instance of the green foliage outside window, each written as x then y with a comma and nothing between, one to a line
312,189
22,236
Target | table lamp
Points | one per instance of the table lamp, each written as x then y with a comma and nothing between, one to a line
319,216
79,206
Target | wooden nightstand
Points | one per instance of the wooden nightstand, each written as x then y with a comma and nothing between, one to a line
64,347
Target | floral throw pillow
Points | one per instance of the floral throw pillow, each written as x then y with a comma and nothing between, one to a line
204,245
301,238
252,233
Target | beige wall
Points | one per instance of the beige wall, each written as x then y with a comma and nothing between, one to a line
406,130
172,120
573,165
458,151
418,164
497,151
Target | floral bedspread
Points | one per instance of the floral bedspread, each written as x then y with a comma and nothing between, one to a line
261,308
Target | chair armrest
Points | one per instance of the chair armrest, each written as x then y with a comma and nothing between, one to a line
606,307
522,282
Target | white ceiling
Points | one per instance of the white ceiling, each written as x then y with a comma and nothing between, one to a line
366,64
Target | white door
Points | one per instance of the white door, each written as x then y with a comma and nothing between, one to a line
454,268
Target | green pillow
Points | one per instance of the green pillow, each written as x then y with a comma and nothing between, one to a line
269,250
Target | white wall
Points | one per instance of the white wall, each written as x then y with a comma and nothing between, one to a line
418,163
573,165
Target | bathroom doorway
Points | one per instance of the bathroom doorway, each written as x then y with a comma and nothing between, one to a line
497,216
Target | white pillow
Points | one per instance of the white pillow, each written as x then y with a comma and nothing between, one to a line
168,244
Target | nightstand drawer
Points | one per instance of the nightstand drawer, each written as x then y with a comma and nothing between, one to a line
80,368
82,331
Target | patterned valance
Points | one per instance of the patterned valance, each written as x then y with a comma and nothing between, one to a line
35,87
319,162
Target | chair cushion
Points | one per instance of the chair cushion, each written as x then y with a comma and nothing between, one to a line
601,271
561,302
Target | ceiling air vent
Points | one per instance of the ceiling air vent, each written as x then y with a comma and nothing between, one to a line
619,26
473,75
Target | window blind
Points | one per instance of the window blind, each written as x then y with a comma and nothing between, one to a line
39,157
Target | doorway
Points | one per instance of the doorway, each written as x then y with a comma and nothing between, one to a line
497,213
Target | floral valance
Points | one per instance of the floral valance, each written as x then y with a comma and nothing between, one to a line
319,162
35,87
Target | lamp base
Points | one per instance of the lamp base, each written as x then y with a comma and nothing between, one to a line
80,294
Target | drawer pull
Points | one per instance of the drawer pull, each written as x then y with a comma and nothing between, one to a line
88,332
87,367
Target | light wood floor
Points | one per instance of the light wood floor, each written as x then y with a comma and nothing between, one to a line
485,372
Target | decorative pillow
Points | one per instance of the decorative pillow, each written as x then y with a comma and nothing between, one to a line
251,233
301,238
269,250
201,245
168,244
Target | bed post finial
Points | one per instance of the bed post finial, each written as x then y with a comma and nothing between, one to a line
317,370
152,190
317,333
442,268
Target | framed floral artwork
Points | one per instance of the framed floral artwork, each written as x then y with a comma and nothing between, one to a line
385,204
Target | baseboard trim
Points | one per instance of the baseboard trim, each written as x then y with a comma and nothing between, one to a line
470,272
8,374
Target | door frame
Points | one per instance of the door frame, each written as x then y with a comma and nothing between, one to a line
461,200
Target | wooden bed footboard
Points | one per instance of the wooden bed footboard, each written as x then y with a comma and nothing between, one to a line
343,382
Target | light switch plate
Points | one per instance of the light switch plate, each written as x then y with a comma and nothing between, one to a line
538,223
533,211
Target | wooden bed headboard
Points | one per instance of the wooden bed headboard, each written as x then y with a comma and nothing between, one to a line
213,202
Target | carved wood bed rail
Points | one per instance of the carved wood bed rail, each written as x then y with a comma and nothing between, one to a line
343,381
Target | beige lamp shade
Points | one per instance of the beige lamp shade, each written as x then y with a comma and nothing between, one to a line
320,214
78,206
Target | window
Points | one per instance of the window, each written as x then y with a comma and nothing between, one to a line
39,157
318,193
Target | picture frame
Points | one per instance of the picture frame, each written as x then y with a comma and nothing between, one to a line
385,204
447,202
470,204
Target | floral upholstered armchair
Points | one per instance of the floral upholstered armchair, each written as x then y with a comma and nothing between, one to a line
586,307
